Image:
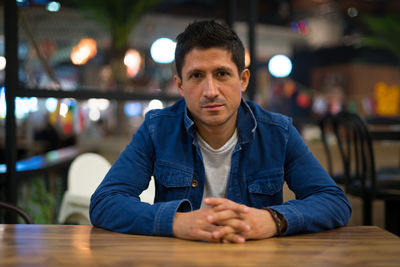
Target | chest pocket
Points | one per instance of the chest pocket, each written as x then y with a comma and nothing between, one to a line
172,182
265,188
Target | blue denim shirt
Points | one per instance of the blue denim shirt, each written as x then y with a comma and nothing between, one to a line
269,152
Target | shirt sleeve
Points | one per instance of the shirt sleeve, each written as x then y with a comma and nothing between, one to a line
320,204
115,205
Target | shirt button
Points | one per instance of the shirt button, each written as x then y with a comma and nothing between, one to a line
194,183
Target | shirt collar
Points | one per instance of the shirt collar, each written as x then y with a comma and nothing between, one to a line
189,123
246,123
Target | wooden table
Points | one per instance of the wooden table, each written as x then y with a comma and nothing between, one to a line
79,245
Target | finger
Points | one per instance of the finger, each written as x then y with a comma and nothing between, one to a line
223,203
206,236
238,208
210,227
214,201
229,218
239,226
222,215
233,238
223,231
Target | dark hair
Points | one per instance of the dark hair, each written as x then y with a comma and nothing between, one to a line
208,34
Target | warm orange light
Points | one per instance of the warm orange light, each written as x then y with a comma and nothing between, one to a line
82,52
246,58
387,99
132,61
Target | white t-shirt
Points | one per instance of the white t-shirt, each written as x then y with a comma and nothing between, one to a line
217,165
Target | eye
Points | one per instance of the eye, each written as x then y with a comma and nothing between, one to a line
195,75
222,74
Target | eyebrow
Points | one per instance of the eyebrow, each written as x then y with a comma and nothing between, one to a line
224,68
221,68
193,71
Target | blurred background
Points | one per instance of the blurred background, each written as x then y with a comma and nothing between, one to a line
82,74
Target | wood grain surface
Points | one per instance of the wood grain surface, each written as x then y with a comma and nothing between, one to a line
79,245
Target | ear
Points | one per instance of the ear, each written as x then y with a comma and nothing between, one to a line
244,79
178,83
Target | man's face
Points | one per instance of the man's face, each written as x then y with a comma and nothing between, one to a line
212,86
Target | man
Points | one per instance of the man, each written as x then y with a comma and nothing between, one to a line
219,162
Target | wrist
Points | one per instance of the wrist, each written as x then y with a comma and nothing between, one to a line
279,221
176,224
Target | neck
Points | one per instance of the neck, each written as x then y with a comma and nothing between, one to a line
216,136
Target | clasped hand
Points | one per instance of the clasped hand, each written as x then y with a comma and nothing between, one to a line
223,220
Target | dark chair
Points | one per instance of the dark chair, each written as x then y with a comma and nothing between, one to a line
360,176
326,127
10,207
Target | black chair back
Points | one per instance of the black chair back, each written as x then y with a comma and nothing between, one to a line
355,145
356,152
325,124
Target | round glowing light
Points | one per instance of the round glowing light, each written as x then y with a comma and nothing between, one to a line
163,50
51,104
132,61
94,114
280,66
53,6
132,58
153,104
352,12
2,63
100,103
133,109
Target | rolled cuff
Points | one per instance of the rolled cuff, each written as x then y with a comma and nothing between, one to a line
164,218
294,219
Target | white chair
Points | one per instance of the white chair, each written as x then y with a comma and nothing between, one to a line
148,194
84,176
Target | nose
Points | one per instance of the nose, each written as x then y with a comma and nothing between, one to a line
210,88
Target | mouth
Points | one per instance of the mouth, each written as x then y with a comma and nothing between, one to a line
212,107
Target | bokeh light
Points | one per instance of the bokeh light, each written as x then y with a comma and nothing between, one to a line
132,61
352,12
3,107
63,110
53,6
23,105
163,50
246,58
133,109
98,103
82,52
2,63
94,114
280,66
153,104
51,104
